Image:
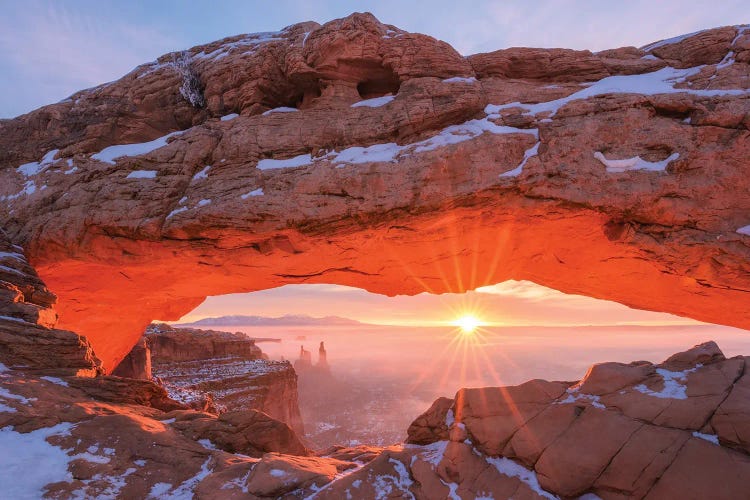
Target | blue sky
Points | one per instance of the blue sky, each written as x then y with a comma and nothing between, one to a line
50,49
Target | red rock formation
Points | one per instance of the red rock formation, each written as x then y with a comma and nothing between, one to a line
28,338
623,431
169,344
442,185
219,371
673,430
137,364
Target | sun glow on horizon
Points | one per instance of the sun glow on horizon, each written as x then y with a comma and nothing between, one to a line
468,324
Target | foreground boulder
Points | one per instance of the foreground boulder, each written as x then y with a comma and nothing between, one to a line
350,151
623,431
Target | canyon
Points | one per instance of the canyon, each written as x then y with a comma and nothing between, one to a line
215,371
356,153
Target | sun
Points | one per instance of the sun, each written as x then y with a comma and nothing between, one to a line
468,324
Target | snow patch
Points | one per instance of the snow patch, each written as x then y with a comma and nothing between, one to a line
673,384
55,380
744,230
254,192
460,79
183,491
33,168
669,41
711,438
449,417
282,109
230,116
207,444
176,211
532,151
111,153
635,163
296,161
510,468
203,174
661,81
204,202
142,174
375,102
29,463
277,473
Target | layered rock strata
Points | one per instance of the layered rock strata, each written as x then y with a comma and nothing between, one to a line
220,372
360,154
28,337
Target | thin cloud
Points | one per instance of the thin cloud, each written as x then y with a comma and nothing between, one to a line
53,51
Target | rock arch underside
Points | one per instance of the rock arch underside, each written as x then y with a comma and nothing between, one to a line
360,154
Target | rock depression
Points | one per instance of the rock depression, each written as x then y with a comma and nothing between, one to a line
359,154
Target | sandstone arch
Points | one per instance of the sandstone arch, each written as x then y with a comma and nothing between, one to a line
451,185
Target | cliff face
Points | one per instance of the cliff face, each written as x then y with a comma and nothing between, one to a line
168,344
222,372
353,151
28,337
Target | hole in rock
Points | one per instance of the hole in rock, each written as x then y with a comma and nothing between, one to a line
378,82
384,360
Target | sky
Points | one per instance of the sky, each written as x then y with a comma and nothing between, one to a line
513,303
51,49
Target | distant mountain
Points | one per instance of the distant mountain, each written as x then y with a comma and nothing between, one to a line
286,320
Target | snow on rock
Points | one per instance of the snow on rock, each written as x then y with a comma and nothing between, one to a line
33,463
673,384
254,192
203,174
711,438
657,82
33,168
460,79
376,153
574,396
635,163
204,202
142,174
277,473
744,230
670,41
510,468
375,102
532,151
296,161
390,152
230,116
111,153
385,483
250,41
185,491
55,380
282,109
176,211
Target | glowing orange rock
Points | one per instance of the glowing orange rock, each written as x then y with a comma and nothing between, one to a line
445,185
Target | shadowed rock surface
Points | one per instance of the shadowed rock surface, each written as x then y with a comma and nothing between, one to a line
360,154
